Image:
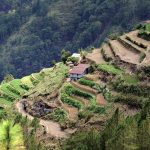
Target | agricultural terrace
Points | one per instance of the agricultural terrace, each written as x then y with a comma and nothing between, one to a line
81,100
15,89
51,81
109,69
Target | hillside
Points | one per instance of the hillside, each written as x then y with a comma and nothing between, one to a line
32,33
106,108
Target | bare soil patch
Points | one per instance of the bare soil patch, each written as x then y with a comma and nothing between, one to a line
108,50
72,111
134,35
100,100
124,53
96,56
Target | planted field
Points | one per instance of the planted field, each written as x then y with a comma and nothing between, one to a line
72,91
17,85
27,81
109,69
5,89
130,79
51,82
4,102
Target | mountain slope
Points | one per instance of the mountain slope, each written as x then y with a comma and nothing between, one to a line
32,33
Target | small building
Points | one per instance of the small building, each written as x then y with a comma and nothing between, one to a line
76,55
79,71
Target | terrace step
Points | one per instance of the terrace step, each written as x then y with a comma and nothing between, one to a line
84,88
72,111
108,50
129,45
80,99
134,37
96,56
123,53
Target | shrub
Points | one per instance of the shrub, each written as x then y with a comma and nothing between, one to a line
130,100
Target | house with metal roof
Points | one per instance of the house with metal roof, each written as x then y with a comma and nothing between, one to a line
79,71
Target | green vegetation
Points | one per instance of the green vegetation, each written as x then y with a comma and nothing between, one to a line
96,109
89,83
100,88
109,69
121,132
145,31
147,27
72,102
33,34
130,79
51,82
136,89
70,90
11,136
58,115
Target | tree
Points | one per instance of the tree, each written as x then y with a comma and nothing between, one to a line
11,136
64,55
8,78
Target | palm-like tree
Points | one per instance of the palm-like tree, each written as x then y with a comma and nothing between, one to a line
11,136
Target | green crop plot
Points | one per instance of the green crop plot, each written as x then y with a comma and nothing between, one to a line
16,84
51,81
130,79
4,102
109,69
4,88
27,81
147,27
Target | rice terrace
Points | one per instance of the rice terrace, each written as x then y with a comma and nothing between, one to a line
62,104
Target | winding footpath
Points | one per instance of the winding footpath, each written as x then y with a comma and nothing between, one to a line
51,127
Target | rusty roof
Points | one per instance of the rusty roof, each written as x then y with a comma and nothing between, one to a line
80,69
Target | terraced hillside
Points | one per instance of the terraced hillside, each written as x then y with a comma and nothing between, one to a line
117,80
17,88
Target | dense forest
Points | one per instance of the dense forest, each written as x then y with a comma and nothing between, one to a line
33,32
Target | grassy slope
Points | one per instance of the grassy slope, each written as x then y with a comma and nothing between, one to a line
46,78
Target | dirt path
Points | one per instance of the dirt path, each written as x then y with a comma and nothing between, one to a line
100,100
51,127
124,53
96,56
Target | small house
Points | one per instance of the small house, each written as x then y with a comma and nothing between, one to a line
79,71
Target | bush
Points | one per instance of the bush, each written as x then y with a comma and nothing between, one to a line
136,89
130,100
59,115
